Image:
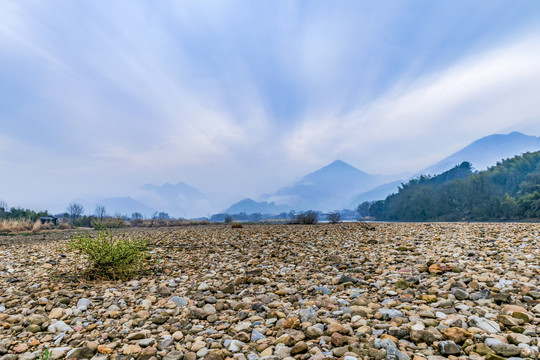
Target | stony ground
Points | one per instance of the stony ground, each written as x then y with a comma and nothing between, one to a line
401,291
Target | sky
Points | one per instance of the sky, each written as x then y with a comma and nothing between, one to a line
242,97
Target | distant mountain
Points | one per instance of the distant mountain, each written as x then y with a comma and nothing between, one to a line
482,153
124,206
178,200
328,188
250,206
487,151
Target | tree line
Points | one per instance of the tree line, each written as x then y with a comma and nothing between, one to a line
509,190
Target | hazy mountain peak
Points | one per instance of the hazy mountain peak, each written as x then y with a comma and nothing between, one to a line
487,151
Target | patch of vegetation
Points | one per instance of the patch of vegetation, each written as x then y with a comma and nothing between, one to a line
334,217
111,256
46,355
508,191
309,217
236,226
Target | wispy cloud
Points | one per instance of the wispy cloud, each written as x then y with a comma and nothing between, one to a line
437,113
247,95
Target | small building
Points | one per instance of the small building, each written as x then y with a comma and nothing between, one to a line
48,219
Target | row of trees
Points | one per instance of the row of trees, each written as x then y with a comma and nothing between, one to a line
19,214
508,191
75,211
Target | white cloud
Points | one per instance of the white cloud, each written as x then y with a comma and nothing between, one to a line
432,116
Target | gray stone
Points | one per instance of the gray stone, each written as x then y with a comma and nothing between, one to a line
147,342
461,294
506,349
80,353
390,313
59,327
485,324
394,354
179,301
83,304
308,314
256,335
235,346
449,347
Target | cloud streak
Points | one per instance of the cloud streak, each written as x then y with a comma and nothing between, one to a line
249,96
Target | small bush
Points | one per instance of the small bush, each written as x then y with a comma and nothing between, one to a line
334,217
309,217
236,226
111,256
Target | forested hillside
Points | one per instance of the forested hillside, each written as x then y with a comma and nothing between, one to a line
509,190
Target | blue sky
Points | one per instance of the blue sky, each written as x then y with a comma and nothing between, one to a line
242,97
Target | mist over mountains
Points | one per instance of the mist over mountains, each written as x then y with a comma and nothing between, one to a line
337,185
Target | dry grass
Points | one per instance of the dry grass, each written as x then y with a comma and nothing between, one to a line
168,222
15,226
38,226
20,226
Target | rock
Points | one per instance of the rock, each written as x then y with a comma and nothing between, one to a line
20,348
457,335
146,342
104,349
506,349
83,304
135,336
335,327
131,349
299,348
488,325
174,355
56,313
308,315
179,301
449,347
461,294
517,339
203,287
147,353
256,335
390,313
80,353
59,327
235,346
314,332
198,345
346,279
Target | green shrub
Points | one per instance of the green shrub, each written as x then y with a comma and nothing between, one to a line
111,256
46,355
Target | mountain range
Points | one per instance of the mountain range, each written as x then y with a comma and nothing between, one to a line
335,186
340,185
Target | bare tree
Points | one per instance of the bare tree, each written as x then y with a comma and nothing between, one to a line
100,212
3,206
334,217
153,218
75,210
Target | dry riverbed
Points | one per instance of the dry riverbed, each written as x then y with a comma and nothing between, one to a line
401,291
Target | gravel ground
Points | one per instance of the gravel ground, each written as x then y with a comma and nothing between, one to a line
401,291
